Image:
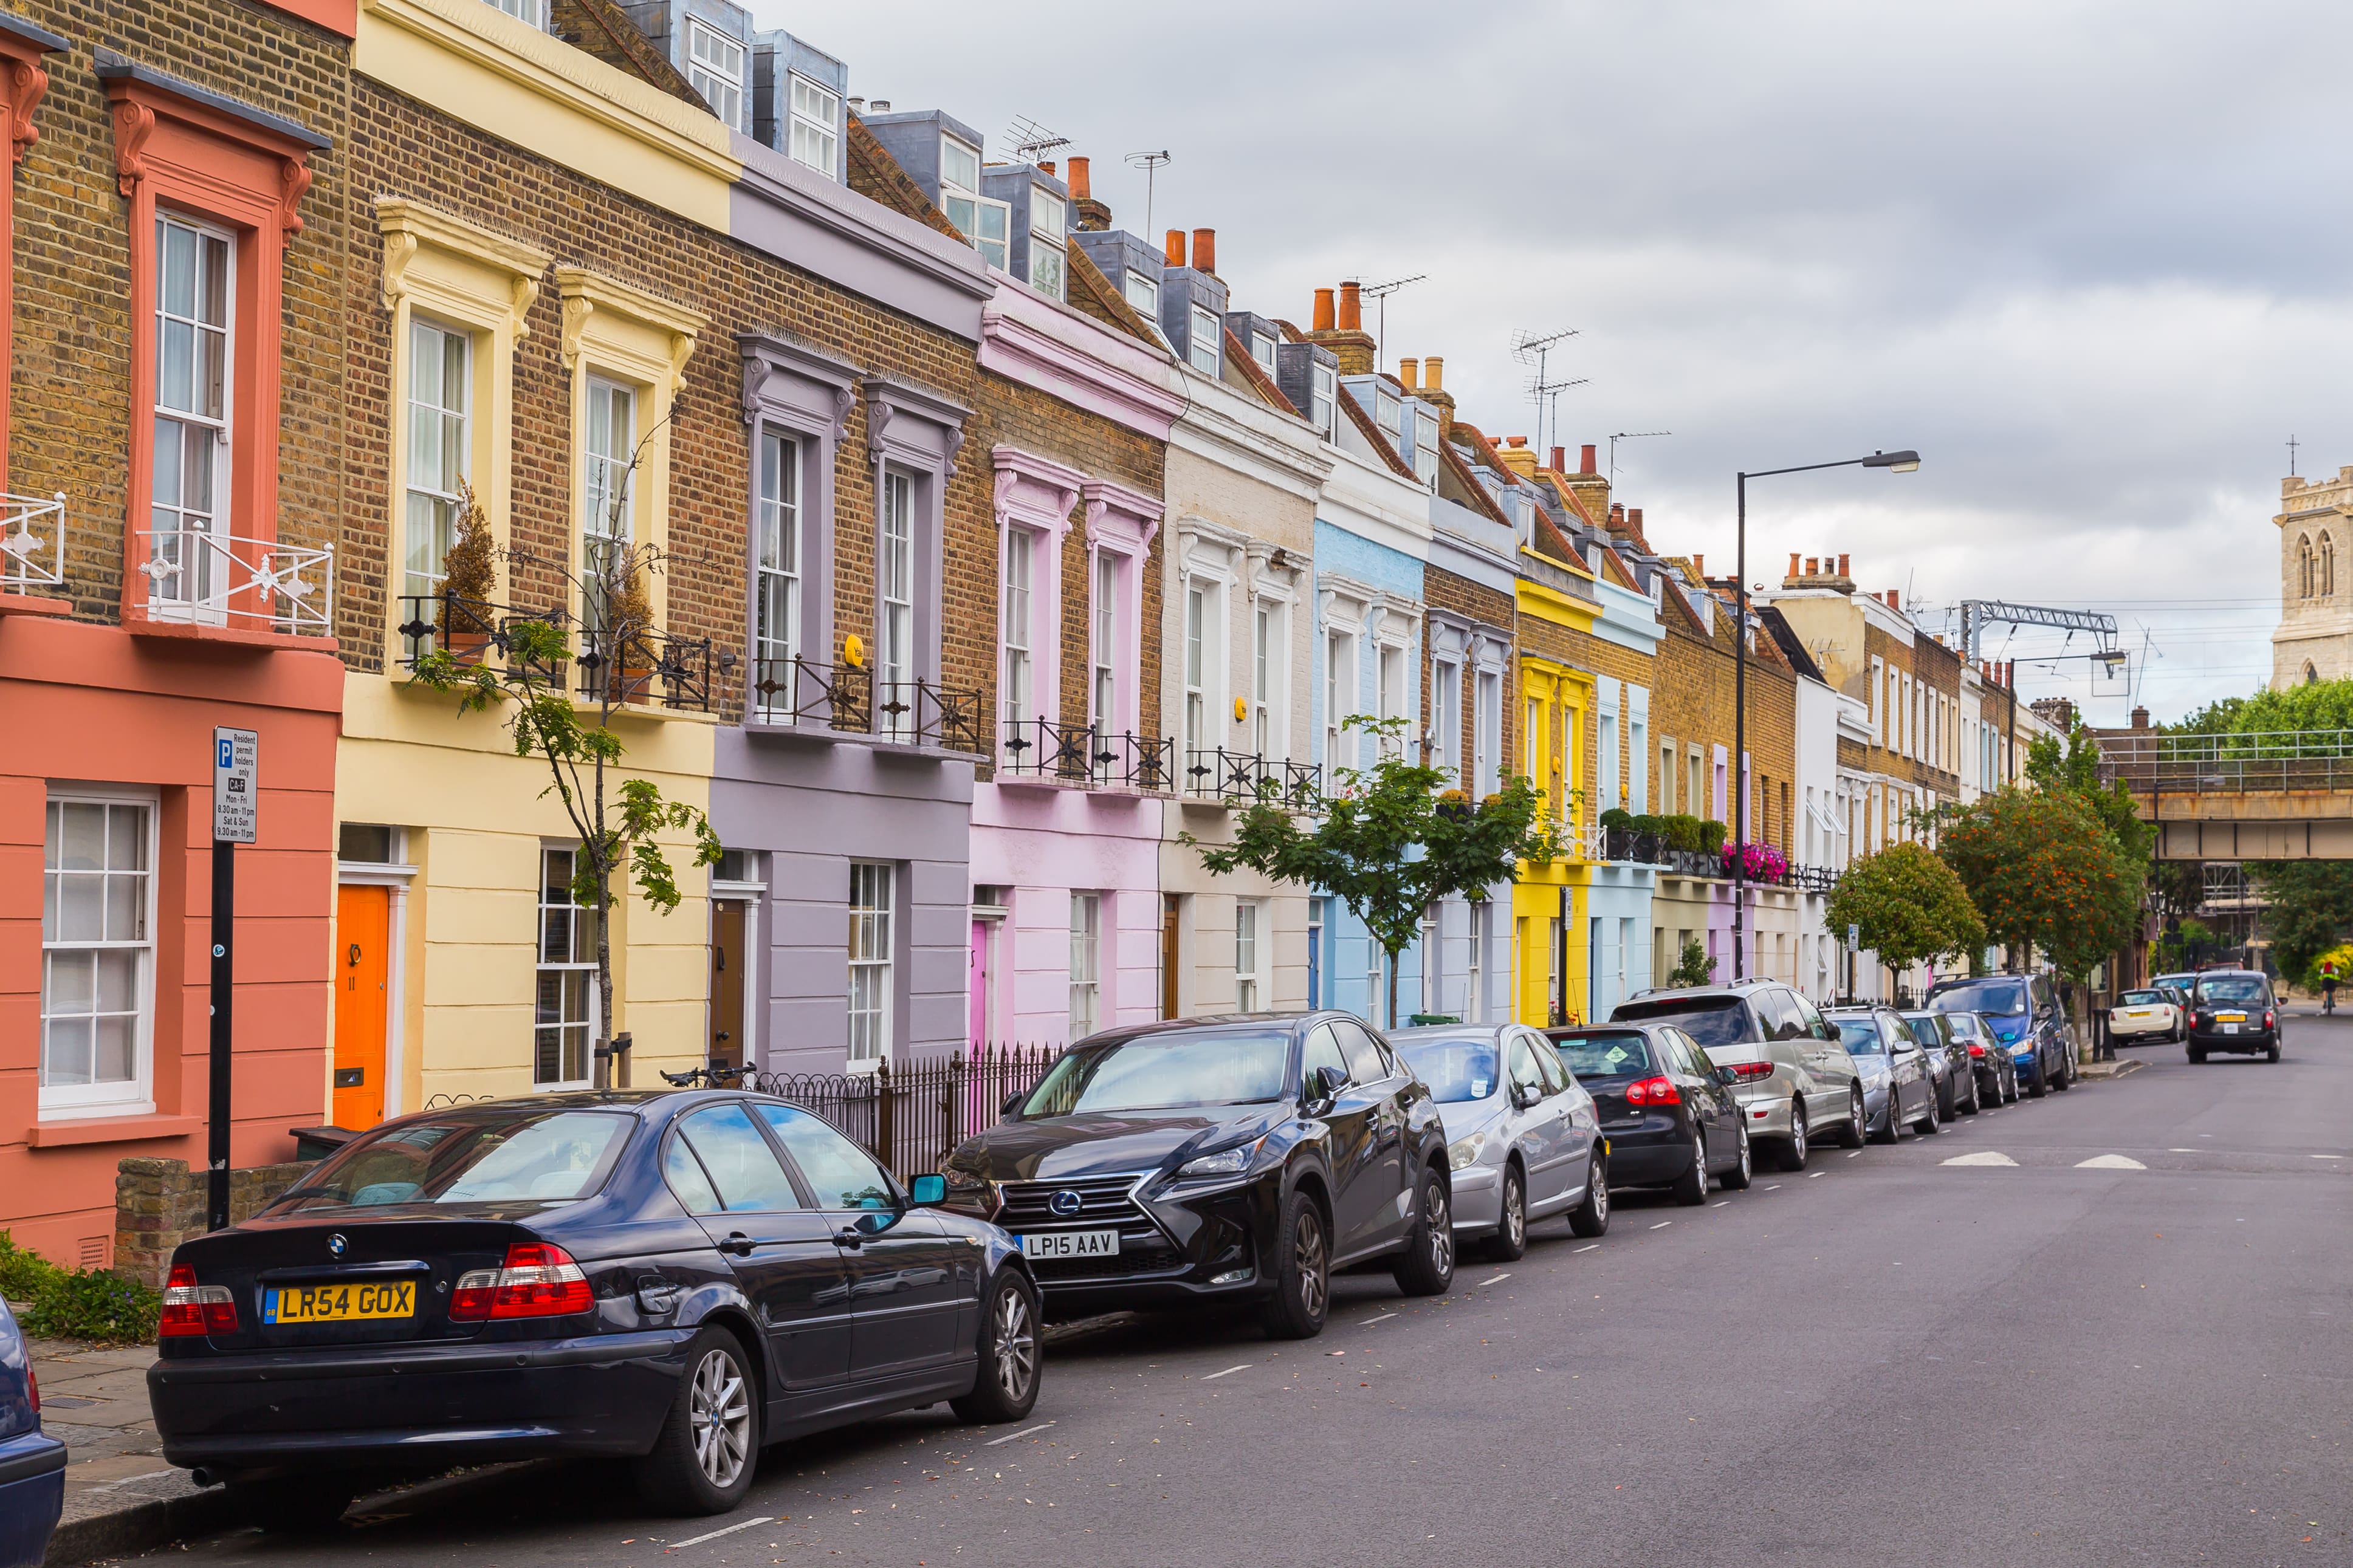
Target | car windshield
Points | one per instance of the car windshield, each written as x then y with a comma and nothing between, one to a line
2142,998
1924,1028
1165,1072
2003,998
2232,988
1709,1020
542,1156
1456,1070
1965,1027
1613,1053
1860,1037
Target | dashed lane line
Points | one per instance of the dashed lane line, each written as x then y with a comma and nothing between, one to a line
1663,1224
1367,1323
1721,1204
2110,1162
1491,1279
1026,1431
1589,1247
713,1535
1228,1373
1814,1176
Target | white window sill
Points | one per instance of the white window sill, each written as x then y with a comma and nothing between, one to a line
87,1109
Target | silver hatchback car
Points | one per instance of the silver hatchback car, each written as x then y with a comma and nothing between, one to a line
1522,1135
1795,1081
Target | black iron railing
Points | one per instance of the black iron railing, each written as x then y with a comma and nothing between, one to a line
629,667
1082,754
923,713
1241,777
804,692
911,1115
644,667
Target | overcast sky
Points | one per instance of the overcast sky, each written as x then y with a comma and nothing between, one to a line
2088,258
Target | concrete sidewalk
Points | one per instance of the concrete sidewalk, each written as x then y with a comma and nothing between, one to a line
121,1496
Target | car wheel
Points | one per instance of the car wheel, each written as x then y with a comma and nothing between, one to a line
2041,1084
1591,1217
1795,1152
1302,1273
1975,1101
1853,1130
1894,1131
295,1504
1744,1170
1930,1122
2272,1054
709,1443
1006,1387
2197,1053
1693,1186
2010,1088
1427,1267
1511,1239
2064,1078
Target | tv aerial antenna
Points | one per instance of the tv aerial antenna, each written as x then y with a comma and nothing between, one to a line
1626,435
1151,163
1534,348
1547,394
1381,292
1030,140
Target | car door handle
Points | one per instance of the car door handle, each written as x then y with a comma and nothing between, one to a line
737,1243
850,1236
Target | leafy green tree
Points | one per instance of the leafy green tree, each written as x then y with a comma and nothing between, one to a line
1389,841
2044,873
1693,966
1908,906
2311,910
2074,768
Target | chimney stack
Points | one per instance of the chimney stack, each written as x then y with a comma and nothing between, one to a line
1585,464
1048,164
1205,251
1699,569
1408,369
1793,566
1352,309
1343,331
2140,719
1560,459
1092,216
1433,371
1617,514
1323,310
1079,191
1176,255
1517,440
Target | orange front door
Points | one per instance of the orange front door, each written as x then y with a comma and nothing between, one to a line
362,932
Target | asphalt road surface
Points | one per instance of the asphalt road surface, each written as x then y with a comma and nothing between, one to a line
1887,1359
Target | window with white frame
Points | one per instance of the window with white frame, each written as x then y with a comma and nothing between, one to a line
1487,731
1020,551
1606,762
1105,695
440,401
563,1021
1388,687
532,11
987,225
1445,716
894,672
193,400
1262,350
1246,955
1200,666
1425,448
1086,959
777,613
1638,764
1339,695
1326,399
1143,293
1389,413
1047,263
1266,679
1203,349
814,137
714,68
607,489
98,953
873,906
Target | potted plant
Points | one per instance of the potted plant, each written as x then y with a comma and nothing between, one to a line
470,581
628,619
1618,833
1648,841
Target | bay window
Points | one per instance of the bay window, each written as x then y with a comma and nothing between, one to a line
97,954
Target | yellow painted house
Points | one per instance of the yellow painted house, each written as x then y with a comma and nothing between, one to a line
1556,608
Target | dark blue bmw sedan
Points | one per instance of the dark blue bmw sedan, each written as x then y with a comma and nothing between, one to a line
677,1278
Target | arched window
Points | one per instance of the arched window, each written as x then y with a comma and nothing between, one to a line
2311,675
2304,566
2324,572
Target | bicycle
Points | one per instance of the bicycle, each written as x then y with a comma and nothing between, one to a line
714,1076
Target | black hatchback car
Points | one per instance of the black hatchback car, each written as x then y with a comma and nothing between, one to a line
1669,1113
1243,1157
672,1277
2233,1010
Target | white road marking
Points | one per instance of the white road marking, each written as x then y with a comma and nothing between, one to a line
1491,1279
1982,1157
1589,1247
1663,1224
699,1539
1228,1373
1772,1186
1812,1176
2110,1162
1721,1204
2328,1156
1367,1323
2181,1151
993,1442
1854,1154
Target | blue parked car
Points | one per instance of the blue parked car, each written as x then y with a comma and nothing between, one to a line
2024,1013
32,1466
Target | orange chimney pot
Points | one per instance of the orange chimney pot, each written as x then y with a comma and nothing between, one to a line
1079,190
1205,251
1585,463
1175,257
1323,309
1352,309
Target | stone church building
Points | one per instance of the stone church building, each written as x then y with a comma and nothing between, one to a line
2314,640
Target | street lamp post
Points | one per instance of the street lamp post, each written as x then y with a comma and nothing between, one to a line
1894,462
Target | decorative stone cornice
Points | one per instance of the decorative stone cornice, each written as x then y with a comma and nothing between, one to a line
141,98
587,293
1120,517
828,388
1027,338
1034,491
408,227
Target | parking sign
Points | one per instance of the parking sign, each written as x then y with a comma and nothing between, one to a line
237,785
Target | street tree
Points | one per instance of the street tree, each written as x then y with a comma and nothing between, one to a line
2309,912
2044,873
1390,840
525,667
1908,906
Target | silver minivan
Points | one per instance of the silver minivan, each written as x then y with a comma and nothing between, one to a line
1793,1078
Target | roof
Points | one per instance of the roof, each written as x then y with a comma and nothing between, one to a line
876,175
1372,432
1785,636
604,30
1253,375
1092,294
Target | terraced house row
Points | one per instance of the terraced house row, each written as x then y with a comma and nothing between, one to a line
993,549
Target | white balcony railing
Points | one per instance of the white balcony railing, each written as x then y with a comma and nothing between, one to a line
32,542
219,579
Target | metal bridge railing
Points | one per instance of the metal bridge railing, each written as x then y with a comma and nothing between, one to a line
2262,762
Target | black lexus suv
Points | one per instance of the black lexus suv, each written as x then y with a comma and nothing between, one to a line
1242,1157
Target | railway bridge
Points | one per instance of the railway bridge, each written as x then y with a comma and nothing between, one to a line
2277,796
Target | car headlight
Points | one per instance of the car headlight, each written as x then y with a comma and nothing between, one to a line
970,1192
1230,1162
2023,1048
1465,1151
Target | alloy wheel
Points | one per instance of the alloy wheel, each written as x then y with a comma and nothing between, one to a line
1796,1137
721,1409
1516,1214
1600,1180
1855,1117
1747,1167
1439,1217
1017,1345
1307,1255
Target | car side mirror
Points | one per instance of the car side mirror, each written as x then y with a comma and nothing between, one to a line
1325,1083
1012,1103
928,1191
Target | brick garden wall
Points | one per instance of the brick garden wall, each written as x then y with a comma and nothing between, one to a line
159,1203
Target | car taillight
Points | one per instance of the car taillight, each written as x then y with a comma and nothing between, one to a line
1976,1049
538,1279
2271,1019
1744,1071
33,1385
1653,1091
190,1309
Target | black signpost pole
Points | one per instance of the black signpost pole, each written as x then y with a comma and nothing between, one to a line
224,999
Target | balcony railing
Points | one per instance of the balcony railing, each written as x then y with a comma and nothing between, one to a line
2266,761
1241,777
1082,754
847,699
647,668
220,579
32,542
921,713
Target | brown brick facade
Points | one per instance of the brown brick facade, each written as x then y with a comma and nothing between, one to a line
1444,590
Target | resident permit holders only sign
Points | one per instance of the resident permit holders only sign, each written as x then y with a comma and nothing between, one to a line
237,785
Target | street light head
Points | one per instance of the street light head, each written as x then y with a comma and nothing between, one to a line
1894,462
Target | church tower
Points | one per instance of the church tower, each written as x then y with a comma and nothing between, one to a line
2315,640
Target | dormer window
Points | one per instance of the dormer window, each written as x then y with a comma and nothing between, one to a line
1326,411
987,224
714,69
1262,350
816,138
1387,411
1424,448
1143,293
1203,349
1046,258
